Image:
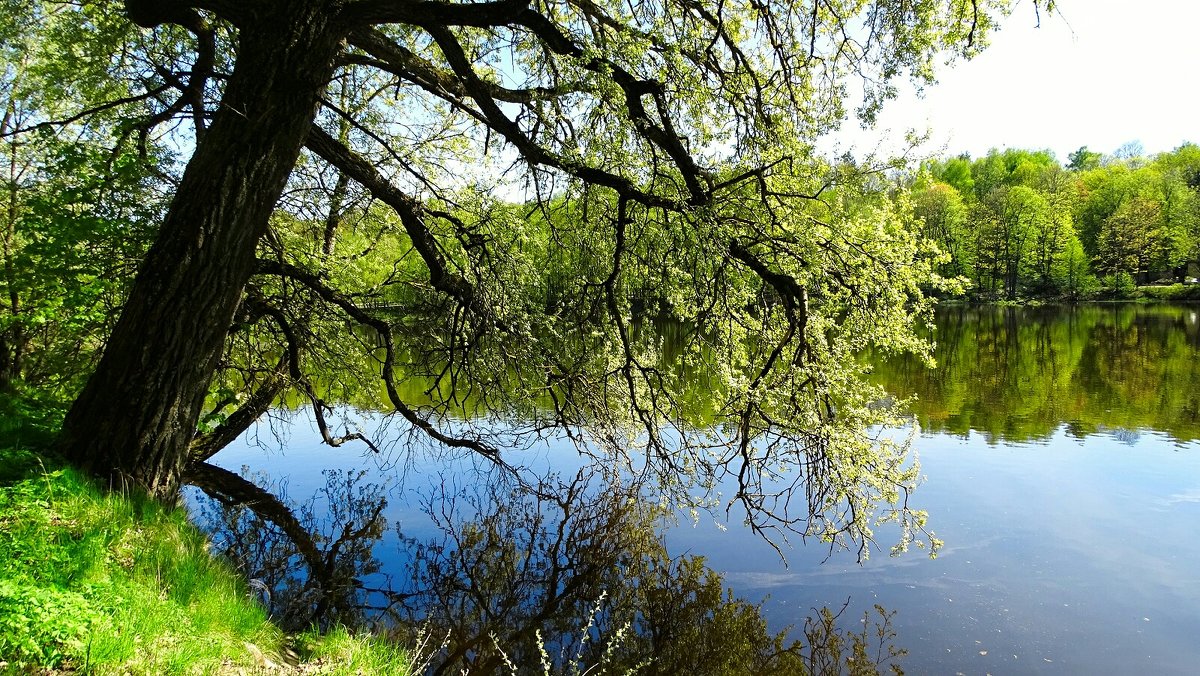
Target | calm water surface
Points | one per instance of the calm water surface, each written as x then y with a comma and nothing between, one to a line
1062,470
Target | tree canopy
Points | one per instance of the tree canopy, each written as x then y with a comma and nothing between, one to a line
1015,223
485,204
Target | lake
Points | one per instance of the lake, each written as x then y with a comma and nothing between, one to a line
1059,446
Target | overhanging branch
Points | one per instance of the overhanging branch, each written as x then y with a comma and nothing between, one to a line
410,210
478,14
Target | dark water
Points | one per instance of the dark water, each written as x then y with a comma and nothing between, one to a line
1062,472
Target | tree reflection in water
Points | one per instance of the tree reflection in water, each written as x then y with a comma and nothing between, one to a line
1020,373
573,574
308,560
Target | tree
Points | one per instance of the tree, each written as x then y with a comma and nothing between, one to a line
1125,244
1131,220
1084,159
1174,242
1180,171
1021,213
640,134
77,214
1058,264
164,347
1130,151
941,210
1101,193
1010,167
956,172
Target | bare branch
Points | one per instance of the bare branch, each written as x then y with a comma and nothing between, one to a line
87,112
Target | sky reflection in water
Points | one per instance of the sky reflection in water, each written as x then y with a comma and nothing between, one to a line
1062,473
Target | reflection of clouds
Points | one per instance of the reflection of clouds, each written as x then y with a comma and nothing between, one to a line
1192,495
912,569
768,580
763,580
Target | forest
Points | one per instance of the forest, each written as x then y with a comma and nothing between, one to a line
1020,224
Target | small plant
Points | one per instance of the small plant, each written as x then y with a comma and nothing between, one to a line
572,661
43,626
1119,285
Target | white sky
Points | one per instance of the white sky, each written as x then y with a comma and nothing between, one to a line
1098,73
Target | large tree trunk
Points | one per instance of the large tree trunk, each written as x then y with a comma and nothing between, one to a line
133,422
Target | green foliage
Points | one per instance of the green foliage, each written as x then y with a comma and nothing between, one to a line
43,626
17,463
77,234
1173,292
119,584
709,205
1119,284
78,199
1084,159
29,417
955,172
1035,229
943,215
341,652
1011,167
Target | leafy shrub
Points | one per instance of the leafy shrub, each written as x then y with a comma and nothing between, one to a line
42,626
1174,292
1120,285
17,464
28,419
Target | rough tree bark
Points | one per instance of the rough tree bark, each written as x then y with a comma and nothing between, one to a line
132,424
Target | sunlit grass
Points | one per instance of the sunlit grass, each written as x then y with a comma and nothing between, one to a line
1175,292
119,584
341,652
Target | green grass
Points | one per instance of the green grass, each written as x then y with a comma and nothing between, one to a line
1173,292
340,652
104,583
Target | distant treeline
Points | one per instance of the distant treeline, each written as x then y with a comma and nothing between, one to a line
1017,223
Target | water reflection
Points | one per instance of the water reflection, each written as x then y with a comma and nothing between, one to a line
1019,373
1059,446
308,560
574,574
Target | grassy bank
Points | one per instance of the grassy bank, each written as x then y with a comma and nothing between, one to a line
104,583
1173,293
